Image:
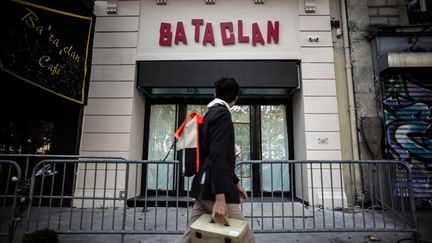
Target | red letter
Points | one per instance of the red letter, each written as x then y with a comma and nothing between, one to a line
180,34
197,23
208,35
165,34
273,32
241,37
224,27
256,35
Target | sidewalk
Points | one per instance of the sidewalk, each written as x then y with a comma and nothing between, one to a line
273,238
167,218
425,231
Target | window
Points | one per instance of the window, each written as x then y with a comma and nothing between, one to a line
419,11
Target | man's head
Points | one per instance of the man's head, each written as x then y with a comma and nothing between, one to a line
227,89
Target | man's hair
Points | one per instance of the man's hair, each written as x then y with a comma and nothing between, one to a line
227,89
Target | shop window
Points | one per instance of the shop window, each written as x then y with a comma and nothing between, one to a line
25,136
34,121
419,11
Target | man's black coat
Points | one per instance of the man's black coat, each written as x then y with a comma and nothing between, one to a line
217,157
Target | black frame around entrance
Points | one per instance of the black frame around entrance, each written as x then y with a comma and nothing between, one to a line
255,128
183,82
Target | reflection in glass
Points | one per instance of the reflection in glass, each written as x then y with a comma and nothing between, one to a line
241,120
201,109
161,136
274,146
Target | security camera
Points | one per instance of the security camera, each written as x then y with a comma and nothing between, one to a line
313,38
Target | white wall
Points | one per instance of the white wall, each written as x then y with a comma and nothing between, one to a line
108,116
319,103
114,116
223,11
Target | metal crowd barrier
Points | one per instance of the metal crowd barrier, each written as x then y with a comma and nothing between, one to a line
125,197
23,164
10,175
333,196
28,161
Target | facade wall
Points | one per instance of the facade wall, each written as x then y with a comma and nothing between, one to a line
362,17
341,86
108,116
365,87
387,12
390,102
113,120
114,116
318,102
223,11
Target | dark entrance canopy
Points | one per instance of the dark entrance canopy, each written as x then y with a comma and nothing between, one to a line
265,78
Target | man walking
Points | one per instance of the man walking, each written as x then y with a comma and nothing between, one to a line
216,188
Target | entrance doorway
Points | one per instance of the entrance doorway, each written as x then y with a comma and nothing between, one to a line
263,131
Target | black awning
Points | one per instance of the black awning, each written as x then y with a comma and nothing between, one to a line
268,77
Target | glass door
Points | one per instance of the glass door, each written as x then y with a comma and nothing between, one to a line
261,133
274,146
161,129
241,116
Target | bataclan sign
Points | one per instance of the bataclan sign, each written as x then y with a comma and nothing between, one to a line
229,37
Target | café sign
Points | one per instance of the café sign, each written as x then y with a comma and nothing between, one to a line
47,47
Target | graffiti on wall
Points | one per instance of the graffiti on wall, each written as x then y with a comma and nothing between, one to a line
408,127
